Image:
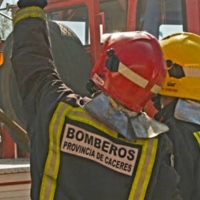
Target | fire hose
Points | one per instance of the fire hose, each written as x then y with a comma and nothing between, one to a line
17,133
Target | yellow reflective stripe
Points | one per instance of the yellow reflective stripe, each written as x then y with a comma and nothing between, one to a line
32,11
148,155
81,115
52,164
197,136
144,170
49,182
138,174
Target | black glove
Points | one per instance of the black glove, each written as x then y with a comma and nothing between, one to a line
27,3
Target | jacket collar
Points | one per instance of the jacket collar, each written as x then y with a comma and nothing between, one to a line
131,126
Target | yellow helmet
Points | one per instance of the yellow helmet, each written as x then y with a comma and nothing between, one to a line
182,54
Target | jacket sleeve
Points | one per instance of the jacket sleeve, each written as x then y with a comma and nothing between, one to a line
39,84
165,179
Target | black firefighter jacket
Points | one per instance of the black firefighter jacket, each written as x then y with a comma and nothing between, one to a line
74,156
184,136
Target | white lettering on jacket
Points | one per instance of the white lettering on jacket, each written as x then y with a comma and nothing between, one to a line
80,142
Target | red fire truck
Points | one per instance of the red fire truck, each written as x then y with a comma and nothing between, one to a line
88,21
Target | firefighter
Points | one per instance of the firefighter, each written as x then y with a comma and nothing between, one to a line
180,107
102,147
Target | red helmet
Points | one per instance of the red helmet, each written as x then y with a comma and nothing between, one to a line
131,68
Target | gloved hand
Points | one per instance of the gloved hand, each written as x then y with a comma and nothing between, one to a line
27,3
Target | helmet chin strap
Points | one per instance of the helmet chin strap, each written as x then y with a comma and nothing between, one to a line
129,125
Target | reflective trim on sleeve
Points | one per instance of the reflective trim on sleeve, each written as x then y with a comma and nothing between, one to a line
32,11
52,165
197,136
